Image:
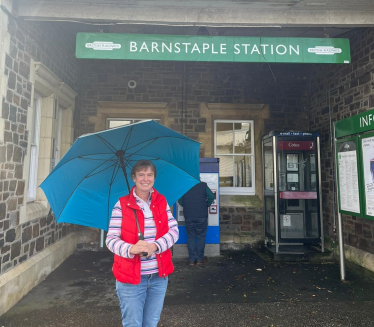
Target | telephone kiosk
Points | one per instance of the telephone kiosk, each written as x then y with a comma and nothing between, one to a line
292,192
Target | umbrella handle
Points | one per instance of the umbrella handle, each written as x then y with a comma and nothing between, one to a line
140,234
141,238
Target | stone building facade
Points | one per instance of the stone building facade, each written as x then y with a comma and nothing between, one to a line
28,43
32,62
339,92
37,64
193,94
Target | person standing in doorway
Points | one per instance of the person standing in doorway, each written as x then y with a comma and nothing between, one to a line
195,205
142,265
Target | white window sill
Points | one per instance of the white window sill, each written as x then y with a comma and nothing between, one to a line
236,191
33,210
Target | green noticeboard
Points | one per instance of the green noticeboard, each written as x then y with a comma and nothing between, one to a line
367,158
355,164
212,48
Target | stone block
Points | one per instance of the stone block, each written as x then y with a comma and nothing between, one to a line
5,249
236,219
18,154
2,211
6,258
12,204
35,231
13,113
367,234
15,250
12,185
32,248
20,187
39,244
10,236
12,80
27,234
24,69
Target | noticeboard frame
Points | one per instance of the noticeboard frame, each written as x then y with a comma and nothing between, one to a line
362,137
355,139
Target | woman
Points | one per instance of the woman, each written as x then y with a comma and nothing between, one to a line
141,267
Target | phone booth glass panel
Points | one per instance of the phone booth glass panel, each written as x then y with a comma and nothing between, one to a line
292,199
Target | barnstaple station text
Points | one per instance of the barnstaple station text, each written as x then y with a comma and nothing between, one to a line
212,48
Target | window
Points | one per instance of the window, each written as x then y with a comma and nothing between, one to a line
116,122
34,148
234,146
56,140
50,126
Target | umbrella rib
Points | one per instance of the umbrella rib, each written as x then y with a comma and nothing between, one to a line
62,209
106,143
81,157
100,171
115,172
145,145
127,138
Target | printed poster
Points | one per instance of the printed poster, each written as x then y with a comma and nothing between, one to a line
368,163
348,177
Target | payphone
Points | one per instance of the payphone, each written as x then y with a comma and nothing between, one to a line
209,173
292,192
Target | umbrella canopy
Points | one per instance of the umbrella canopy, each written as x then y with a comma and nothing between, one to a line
87,182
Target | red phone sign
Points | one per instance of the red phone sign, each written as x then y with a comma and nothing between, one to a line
296,145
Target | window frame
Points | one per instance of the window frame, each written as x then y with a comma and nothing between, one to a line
237,190
34,145
57,104
134,120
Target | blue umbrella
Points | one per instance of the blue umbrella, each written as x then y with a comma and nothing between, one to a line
88,181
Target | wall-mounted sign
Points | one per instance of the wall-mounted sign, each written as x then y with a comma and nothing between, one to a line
355,158
212,48
360,123
368,175
349,196
296,145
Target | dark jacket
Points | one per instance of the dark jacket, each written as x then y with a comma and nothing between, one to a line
196,201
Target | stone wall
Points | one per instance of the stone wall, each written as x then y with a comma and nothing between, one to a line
54,47
342,91
184,87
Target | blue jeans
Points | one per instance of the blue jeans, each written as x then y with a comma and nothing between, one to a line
196,231
141,304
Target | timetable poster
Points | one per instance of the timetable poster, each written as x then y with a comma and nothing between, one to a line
368,165
348,177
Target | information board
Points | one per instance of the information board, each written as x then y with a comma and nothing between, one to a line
348,177
367,144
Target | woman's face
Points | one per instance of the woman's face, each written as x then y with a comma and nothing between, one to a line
144,180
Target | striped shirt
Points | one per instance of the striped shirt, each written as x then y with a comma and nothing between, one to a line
121,248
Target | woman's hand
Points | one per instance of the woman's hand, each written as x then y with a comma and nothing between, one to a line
152,248
139,247
143,246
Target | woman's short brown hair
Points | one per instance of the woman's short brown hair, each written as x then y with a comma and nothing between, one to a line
143,165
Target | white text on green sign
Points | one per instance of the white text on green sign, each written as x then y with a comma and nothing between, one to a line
211,48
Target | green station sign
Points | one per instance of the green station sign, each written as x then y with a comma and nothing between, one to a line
212,48
360,123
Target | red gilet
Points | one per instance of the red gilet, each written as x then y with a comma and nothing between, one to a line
128,270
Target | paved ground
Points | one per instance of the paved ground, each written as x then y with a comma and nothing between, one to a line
236,289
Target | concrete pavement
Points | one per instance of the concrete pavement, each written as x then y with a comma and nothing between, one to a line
239,288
